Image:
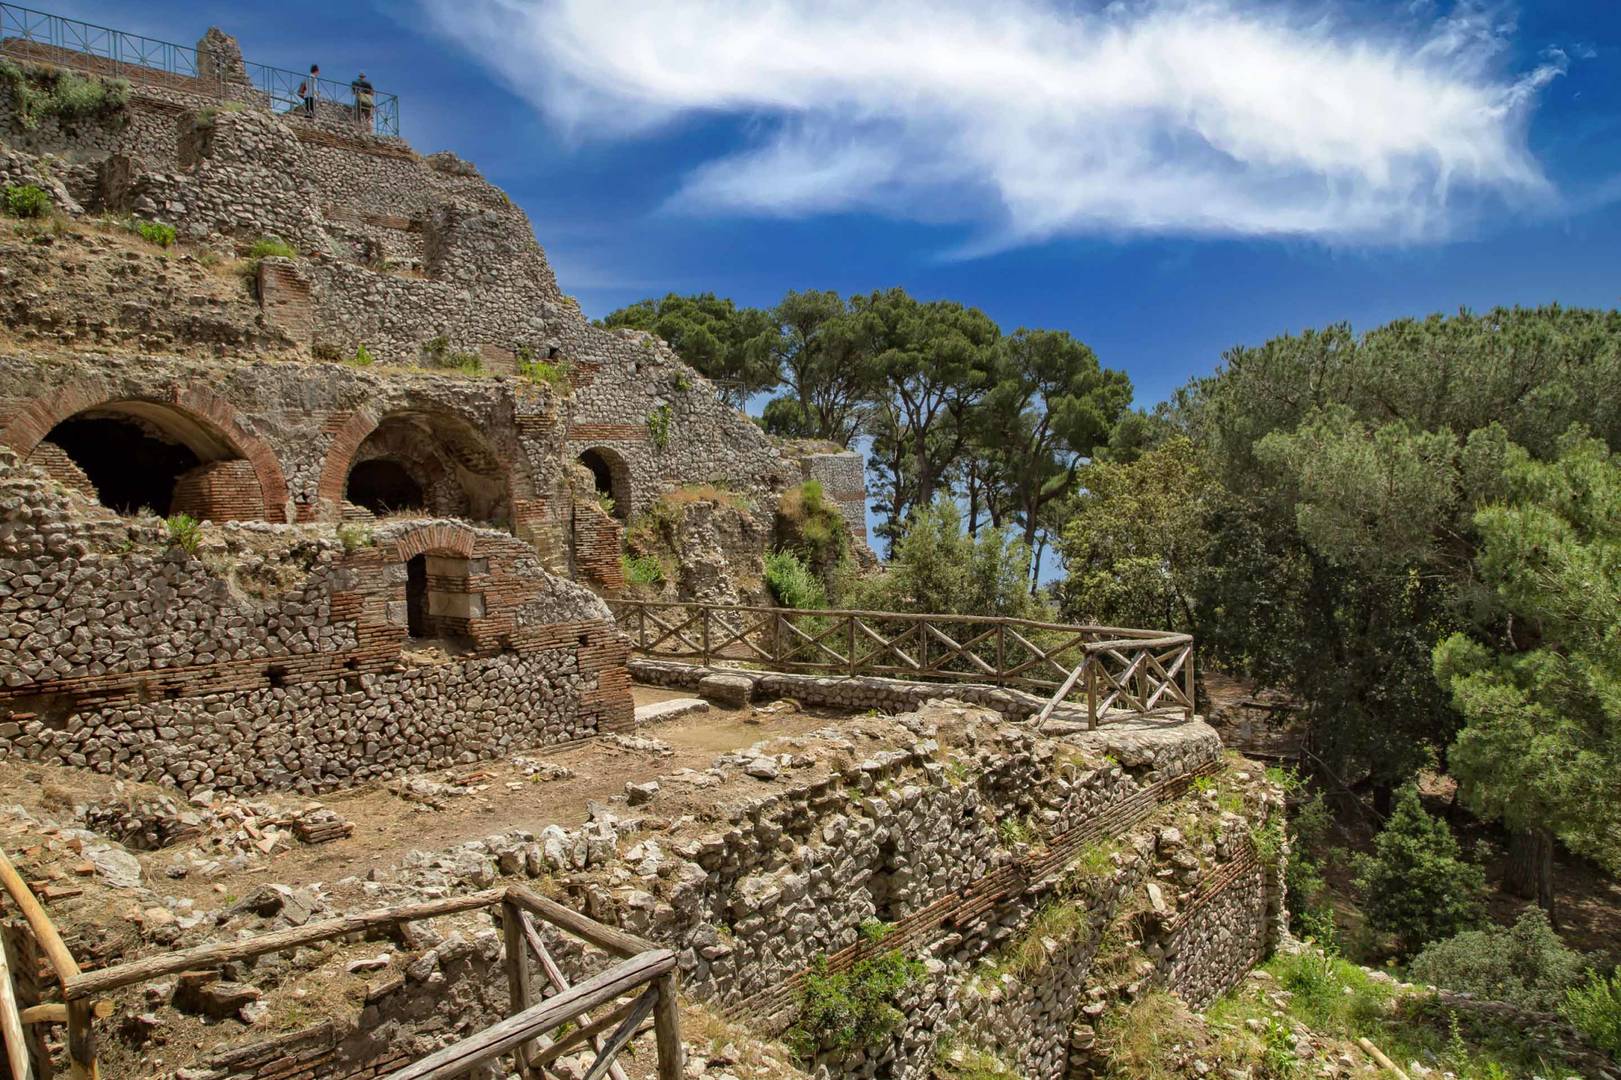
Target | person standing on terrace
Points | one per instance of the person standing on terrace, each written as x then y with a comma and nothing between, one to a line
310,89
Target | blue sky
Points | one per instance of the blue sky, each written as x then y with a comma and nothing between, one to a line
1163,179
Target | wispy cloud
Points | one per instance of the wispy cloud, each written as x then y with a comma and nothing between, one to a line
1028,120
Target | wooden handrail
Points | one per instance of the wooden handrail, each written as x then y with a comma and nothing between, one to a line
1131,633
1127,671
533,1022
50,941
610,938
155,967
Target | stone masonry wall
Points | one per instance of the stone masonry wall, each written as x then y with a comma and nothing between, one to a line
271,657
957,830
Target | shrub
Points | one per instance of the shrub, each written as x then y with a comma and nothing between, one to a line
436,352
354,537
936,567
67,95
185,532
545,372
1595,1010
658,426
27,201
362,357
643,570
75,96
810,525
792,583
1415,884
1527,965
156,232
271,247
851,1009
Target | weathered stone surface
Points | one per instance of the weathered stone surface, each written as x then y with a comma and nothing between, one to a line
731,691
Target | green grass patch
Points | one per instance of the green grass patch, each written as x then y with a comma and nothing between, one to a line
27,201
271,247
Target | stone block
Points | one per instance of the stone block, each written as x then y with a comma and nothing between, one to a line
730,691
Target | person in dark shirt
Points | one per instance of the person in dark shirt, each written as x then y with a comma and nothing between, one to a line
365,100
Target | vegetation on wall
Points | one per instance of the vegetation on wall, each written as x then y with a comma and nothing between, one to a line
792,583
852,1009
38,93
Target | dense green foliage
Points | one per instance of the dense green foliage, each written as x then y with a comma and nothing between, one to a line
1526,965
951,405
1346,473
852,1009
27,201
1135,545
792,583
937,567
730,345
1595,1009
1417,887
1538,683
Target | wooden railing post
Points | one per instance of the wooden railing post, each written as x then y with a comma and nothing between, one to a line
81,1042
518,984
850,659
704,630
641,627
1091,691
1187,679
1001,654
776,638
667,1028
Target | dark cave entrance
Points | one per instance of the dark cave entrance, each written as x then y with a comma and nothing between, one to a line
416,596
384,487
611,477
131,467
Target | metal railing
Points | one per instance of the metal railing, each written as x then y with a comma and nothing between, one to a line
106,51
1122,672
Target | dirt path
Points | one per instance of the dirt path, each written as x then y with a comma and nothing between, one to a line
498,796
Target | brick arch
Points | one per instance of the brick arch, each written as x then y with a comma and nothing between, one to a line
440,538
27,428
340,455
351,431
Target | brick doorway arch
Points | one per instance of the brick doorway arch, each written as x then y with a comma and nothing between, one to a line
229,474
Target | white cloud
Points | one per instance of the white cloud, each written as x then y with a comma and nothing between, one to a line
1030,120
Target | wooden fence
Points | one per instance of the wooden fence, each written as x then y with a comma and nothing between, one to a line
1122,672
644,972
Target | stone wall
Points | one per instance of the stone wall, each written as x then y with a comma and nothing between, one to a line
417,259
275,656
960,833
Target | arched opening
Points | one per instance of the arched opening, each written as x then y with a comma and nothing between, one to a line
611,476
130,466
432,462
383,487
144,456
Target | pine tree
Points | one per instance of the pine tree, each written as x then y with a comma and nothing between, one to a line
1415,885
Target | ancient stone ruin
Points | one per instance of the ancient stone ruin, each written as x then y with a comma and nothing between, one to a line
322,502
